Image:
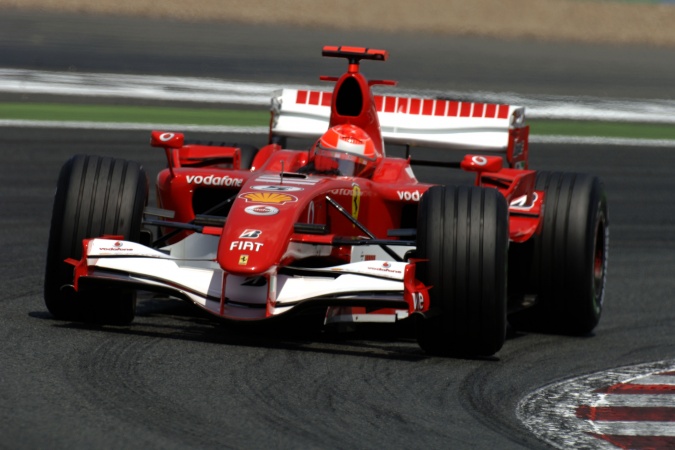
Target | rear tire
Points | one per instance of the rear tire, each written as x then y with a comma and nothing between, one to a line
569,264
247,153
95,196
463,232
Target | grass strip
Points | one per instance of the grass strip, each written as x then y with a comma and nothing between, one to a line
254,117
602,129
134,114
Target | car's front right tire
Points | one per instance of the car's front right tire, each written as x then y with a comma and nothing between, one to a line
95,196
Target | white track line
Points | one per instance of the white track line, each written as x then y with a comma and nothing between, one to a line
635,428
579,140
190,89
213,90
634,400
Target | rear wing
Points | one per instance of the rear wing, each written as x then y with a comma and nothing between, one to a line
409,121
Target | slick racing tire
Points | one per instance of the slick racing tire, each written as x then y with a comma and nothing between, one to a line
569,261
247,153
462,232
94,196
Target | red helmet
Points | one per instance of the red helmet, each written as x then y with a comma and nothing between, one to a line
347,150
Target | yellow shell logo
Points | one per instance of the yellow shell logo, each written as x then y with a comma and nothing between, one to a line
268,197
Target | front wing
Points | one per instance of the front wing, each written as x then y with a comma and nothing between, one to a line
388,288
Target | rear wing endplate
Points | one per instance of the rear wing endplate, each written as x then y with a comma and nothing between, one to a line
410,121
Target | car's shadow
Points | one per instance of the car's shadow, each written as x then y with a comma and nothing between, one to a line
176,319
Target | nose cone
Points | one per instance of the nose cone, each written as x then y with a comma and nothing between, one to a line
255,237
261,221
248,251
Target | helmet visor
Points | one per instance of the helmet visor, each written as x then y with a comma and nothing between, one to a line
344,163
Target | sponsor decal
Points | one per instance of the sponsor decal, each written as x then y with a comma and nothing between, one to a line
246,245
356,201
343,192
418,301
386,267
117,247
479,160
250,234
409,196
243,260
520,205
166,136
214,180
268,197
261,210
277,188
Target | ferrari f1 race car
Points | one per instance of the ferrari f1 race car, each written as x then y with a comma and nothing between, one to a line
338,226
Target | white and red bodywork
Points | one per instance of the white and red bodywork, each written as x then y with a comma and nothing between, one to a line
291,239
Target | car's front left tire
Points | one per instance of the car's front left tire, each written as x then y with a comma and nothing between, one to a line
462,237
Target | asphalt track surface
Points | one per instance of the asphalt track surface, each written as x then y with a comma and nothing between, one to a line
178,379
281,54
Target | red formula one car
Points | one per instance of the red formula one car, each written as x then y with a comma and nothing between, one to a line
254,235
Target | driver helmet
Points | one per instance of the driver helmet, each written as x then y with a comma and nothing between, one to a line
346,150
